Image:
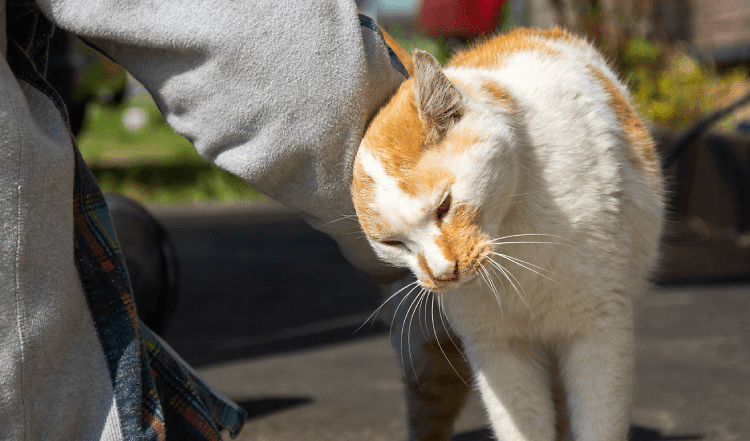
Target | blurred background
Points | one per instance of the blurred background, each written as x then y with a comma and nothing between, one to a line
683,60
243,289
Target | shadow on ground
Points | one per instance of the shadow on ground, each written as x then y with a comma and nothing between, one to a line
484,434
636,433
646,434
251,288
259,407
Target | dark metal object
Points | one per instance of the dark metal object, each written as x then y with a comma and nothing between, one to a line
150,258
736,175
676,149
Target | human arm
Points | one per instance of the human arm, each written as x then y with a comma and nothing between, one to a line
277,92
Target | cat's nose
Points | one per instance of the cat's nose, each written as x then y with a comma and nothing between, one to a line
449,275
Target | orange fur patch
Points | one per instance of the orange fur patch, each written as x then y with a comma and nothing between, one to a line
500,96
395,134
644,149
462,238
363,193
459,140
492,53
396,138
489,91
428,174
425,267
555,34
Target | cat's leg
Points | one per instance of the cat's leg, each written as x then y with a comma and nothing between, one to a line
597,371
436,374
516,388
435,392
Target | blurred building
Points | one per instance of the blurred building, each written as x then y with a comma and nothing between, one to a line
715,30
722,29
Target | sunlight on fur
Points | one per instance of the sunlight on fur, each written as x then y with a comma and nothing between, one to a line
522,190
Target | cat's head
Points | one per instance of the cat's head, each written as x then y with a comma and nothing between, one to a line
435,173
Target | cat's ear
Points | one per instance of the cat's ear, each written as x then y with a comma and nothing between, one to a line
438,100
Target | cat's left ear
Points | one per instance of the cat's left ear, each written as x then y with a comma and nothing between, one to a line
438,100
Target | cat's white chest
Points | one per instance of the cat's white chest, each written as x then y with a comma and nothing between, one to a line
539,291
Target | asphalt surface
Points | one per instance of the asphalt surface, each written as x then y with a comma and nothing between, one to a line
268,310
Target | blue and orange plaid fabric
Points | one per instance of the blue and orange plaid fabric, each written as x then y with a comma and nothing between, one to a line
158,396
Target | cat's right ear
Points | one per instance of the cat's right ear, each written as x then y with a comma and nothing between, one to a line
438,100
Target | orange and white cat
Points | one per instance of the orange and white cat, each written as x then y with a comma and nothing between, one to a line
523,191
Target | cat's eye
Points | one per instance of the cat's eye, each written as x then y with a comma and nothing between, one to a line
443,208
392,243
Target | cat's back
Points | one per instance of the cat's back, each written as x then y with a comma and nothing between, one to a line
566,90
498,51
579,134
554,51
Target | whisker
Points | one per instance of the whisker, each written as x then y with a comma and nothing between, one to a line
483,277
401,340
440,309
495,271
518,194
395,313
508,275
375,313
529,234
343,217
437,340
523,264
408,337
422,298
455,332
491,284
494,242
358,233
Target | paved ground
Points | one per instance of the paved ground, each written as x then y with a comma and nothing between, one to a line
269,307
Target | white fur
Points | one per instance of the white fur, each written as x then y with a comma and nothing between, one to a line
404,213
558,168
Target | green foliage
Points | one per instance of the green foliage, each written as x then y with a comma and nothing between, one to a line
438,47
177,182
673,89
151,163
100,79
106,140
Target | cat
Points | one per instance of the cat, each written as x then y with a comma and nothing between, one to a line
524,193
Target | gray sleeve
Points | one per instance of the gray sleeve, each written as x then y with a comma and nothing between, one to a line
275,91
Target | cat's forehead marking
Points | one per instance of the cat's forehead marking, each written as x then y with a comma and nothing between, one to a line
430,176
396,140
638,137
386,202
